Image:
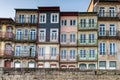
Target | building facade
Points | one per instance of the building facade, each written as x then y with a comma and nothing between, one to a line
46,37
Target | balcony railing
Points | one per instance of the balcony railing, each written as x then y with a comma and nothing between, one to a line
26,20
8,53
68,58
68,42
86,42
109,34
109,14
24,37
88,57
23,53
48,57
87,26
9,35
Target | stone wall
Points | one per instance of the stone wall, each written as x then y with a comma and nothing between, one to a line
58,74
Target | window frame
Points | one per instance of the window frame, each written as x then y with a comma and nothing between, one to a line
54,14
42,14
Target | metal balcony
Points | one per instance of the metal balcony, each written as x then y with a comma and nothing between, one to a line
87,42
87,26
48,57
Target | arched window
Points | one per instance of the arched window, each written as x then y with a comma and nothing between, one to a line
83,66
31,64
17,64
91,66
8,49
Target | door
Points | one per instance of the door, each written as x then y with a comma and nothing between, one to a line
17,51
32,51
33,34
7,64
9,32
8,49
19,34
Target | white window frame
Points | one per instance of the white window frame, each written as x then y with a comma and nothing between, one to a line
54,14
43,36
62,39
72,24
72,40
42,14
72,55
51,35
63,22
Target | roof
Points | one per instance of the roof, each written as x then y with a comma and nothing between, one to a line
51,8
6,20
69,13
25,9
87,13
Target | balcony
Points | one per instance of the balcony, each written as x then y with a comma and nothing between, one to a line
24,38
88,58
88,26
48,57
25,54
68,42
26,20
9,36
68,58
87,42
109,34
107,16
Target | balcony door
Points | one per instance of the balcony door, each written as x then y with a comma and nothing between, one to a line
32,51
19,34
32,34
17,50
111,12
102,31
8,49
32,19
9,31
112,30
21,19
102,12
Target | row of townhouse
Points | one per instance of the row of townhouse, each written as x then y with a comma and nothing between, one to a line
48,38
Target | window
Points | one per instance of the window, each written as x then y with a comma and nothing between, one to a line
72,22
53,51
19,34
42,34
82,53
111,12
112,30
54,17
17,50
32,50
25,34
25,48
82,66
32,34
41,52
63,38
72,54
102,12
54,35
91,23
64,22
72,38
83,23
82,38
17,64
91,66
42,18
91,38
31,64
102,30
21,19
102,49
112,64
102,64
91,53
112,48
33,19
63,54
